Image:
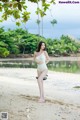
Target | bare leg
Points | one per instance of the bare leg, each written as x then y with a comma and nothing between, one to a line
38,73
40,84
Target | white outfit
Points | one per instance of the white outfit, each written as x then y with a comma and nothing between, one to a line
43,66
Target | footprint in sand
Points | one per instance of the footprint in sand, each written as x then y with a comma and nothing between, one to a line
64,118
28,117
28,113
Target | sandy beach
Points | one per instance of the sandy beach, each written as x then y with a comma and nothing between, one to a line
19,95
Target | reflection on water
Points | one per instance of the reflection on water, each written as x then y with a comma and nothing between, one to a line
62,66
65,66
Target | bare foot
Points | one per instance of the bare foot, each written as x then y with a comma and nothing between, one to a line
41,100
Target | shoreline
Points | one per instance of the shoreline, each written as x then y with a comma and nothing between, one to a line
51,59
19,95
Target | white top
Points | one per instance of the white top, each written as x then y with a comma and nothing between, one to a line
42,58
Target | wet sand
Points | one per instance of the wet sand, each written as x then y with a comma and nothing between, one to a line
19,95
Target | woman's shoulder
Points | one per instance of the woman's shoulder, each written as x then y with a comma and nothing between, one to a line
35,53
45,52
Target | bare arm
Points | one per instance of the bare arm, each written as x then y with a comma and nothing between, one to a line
47,57
34,56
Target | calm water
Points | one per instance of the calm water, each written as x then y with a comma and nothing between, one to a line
62,66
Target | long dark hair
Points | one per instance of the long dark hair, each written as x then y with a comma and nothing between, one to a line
39,46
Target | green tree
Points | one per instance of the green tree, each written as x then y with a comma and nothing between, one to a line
53,22
18,9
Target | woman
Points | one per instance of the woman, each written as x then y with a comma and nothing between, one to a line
41,57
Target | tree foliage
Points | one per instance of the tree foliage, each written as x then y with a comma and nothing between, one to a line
18,9
20,41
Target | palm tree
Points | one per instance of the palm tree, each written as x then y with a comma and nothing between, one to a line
38,23
53,22
38,20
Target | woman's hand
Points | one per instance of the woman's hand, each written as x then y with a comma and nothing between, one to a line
47,57
47,61
39,62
